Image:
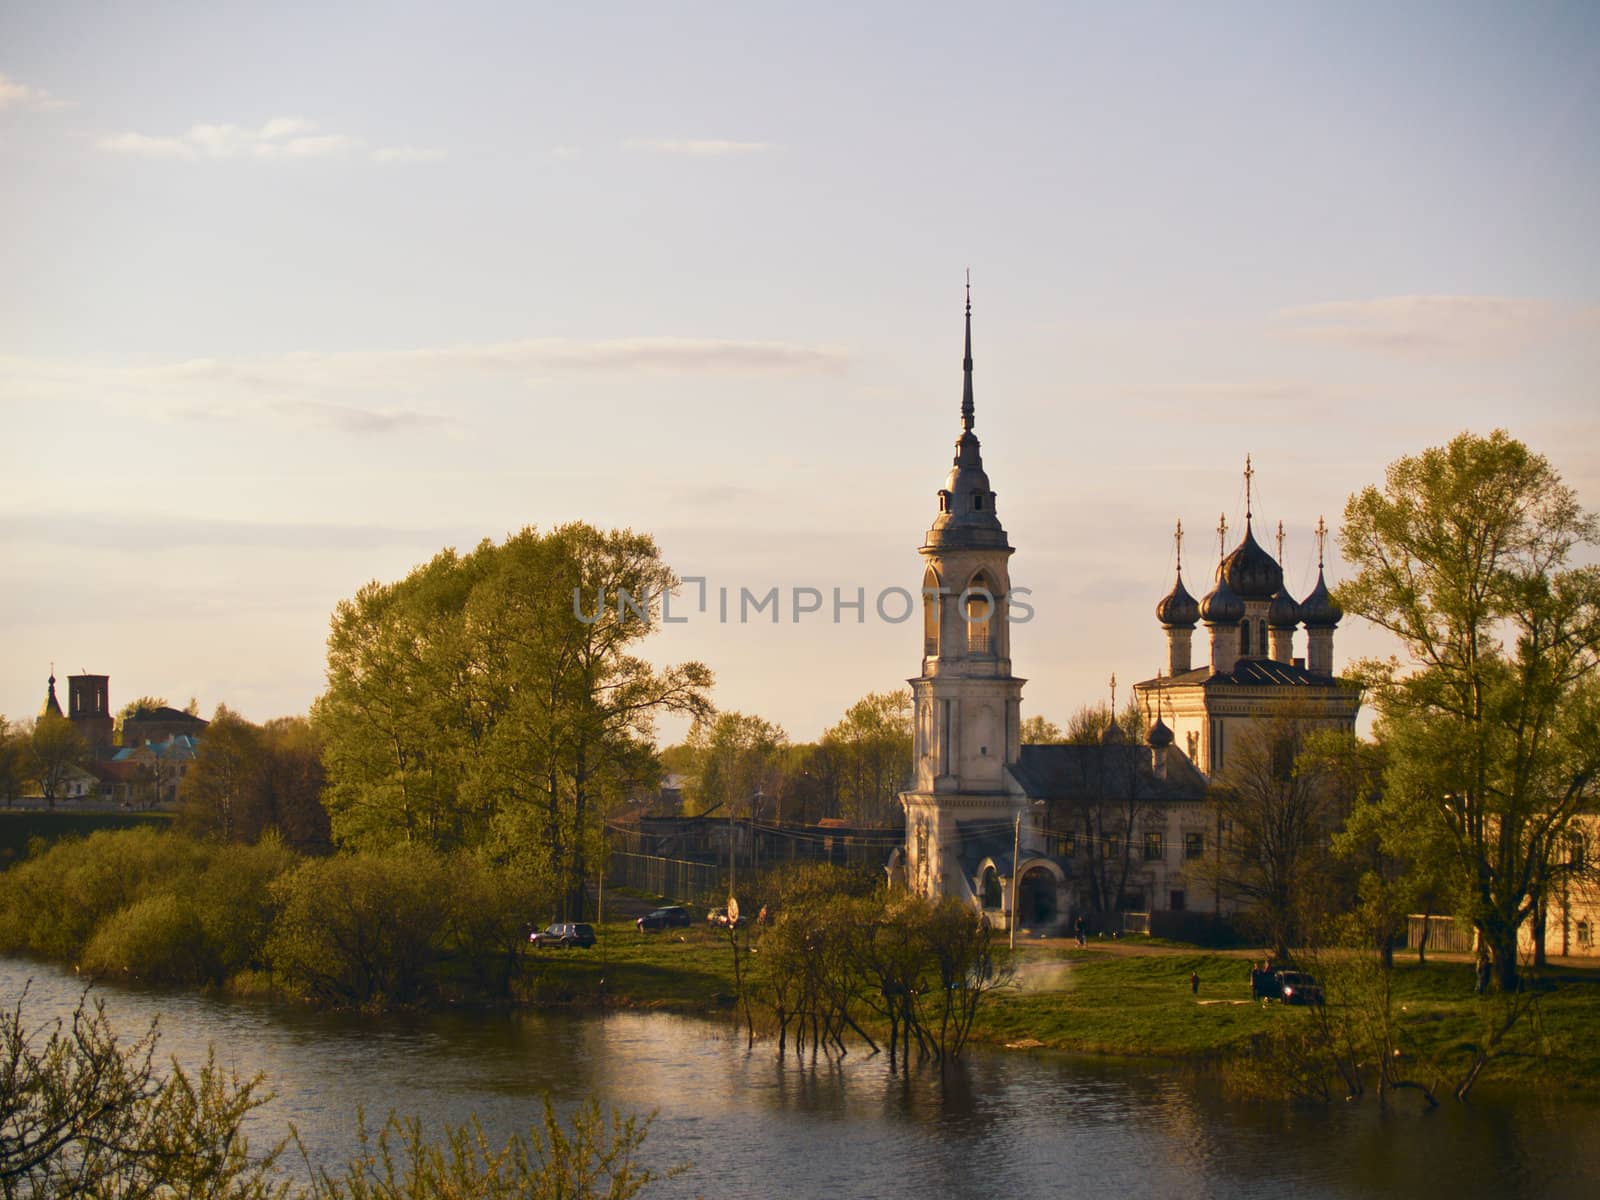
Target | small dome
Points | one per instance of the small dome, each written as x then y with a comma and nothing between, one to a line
1250,571
1284,613
1112,734
1221,606
1177,609
1160,736
1318,610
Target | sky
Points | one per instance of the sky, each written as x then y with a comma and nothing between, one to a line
293,296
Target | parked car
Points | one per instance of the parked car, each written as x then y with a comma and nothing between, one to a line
661,918
1296,987
565,934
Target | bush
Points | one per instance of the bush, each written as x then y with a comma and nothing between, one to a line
158,938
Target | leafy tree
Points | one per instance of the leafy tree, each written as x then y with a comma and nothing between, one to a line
739,760
1465,555
55,748
249,780
493,699
872,750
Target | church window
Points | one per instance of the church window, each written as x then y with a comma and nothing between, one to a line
1244,638
930,613
977,501
981,609
1067,845
944,501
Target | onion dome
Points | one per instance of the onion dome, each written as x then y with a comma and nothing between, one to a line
1250,571
1318,610
1112,734
1160,736
1177,609
1221,605
1284,613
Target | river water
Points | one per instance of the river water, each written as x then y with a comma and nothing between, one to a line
1002,1124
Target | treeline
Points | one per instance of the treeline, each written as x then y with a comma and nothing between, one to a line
740,764
395,925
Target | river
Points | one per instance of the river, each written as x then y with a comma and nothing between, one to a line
1002,1124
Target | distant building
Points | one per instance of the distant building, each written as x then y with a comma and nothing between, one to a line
89,709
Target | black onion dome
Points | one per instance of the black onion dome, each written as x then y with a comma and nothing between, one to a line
1160,736
1222,606
1250,571
1318,610
1177,609
1284,613
1112,734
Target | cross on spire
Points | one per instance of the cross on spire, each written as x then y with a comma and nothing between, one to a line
1113,696
967,418
1222,536
1177,540
1280,543
1249,474
1322,540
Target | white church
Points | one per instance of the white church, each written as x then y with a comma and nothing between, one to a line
1056,832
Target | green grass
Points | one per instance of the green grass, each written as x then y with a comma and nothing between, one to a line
685,970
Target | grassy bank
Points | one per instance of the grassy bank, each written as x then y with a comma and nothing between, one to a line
1113,1002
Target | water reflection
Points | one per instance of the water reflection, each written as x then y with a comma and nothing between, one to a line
755,1126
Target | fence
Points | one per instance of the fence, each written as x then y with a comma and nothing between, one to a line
674,878
1445,934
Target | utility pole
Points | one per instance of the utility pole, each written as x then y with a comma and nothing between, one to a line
1016,853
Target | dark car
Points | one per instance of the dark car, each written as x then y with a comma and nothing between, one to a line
673,914
565,934
1296,987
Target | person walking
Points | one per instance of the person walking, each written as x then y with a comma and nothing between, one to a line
1194,983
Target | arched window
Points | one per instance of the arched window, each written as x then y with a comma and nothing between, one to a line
931,607
982,609
1244,638
977,501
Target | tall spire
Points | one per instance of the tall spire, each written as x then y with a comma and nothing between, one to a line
967,419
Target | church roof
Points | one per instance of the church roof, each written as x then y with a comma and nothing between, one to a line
51,706
1247,672
1250,571
1118,769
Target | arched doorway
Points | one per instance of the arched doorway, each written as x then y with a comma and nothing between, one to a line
1036,899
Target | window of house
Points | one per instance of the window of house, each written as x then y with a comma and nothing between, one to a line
1176,900
1585,934
1194,845
1154,846
1067,845
1112,847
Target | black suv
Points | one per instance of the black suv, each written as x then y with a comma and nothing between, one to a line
663,917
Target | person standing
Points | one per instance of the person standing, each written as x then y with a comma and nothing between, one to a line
1194,983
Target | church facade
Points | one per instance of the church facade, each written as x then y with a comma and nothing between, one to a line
1039,836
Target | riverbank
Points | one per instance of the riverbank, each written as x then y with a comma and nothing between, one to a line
1134,999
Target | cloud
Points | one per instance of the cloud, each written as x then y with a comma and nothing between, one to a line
278,138
704,147
406,154
1423,325
315,389
20,95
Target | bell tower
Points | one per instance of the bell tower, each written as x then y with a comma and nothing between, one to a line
966,700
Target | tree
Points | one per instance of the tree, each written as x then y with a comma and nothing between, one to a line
133,708
872,748
14,758
1279,807
1465,557
494,699
55,748
1036,731
249,779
